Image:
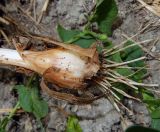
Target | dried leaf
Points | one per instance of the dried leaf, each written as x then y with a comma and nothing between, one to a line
68,97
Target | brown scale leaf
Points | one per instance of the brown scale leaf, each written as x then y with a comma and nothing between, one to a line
68,97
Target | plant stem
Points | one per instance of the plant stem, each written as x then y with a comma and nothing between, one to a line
14,110
5,121
12,57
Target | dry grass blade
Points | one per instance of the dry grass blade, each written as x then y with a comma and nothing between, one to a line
126,47
2,111
31,18
8,110
4,21
11,20
44,8
28,15
151,9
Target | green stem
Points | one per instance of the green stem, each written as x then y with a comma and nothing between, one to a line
102,37
30,80
77,37
41,125
7,119
14,110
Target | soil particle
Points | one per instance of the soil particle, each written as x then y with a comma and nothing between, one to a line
141,115
56,121
7,99
98,117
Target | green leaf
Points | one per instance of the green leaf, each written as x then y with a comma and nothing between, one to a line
105,14
30,101
67,35
153,102
116,57
24,98
40,110
127,55
73,125
123,71
131,54
40,107
156,124
3,124
136,128
156,113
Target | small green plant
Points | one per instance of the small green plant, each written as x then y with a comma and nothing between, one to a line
29,101
73,125
4,122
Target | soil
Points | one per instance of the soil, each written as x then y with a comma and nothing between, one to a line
100,116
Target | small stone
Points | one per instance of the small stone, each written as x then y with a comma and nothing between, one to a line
56,121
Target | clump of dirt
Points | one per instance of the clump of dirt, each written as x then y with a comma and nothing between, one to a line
72,14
